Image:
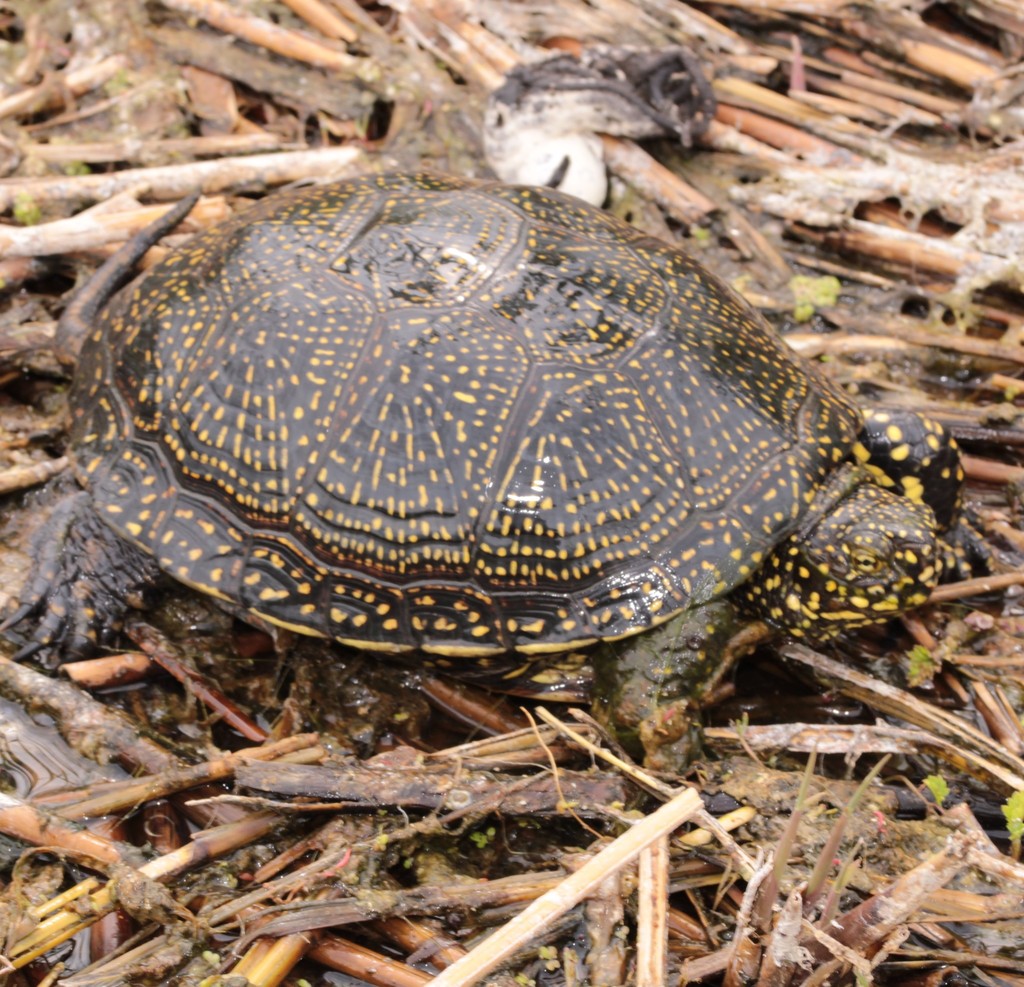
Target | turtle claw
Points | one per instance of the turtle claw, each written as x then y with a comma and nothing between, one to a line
27,651
23,611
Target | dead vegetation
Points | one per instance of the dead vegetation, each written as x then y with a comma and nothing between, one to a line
272,820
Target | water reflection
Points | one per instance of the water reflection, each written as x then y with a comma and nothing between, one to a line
35,761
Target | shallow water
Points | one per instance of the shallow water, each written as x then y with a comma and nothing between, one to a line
34,761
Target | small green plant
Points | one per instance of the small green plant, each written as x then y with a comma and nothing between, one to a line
740,725
1013,810
810,294
936,784
77,168
120,82
482,837
26,209
830,851
922,668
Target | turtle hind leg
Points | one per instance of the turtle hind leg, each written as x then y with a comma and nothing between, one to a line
85,578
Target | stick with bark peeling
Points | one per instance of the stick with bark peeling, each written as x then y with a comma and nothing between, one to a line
176,181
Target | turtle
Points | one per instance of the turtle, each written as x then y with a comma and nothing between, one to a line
464,419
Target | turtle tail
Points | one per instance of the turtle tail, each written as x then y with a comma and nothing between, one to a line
80,314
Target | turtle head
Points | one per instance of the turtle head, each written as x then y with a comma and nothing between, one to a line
862,556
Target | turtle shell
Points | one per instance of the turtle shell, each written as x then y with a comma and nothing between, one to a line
414,412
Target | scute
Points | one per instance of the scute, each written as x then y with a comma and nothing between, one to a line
412,412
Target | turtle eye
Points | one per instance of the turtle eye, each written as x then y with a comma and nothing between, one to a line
865,561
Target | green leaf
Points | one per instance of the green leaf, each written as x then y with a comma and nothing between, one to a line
936,784
923,666
1013,810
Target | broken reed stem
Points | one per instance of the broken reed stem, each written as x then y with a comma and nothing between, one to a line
54,90
266,34
131,150
991,471
266,965
633,164
1004,768
550,906
110,670
116,796
973,587
325,20
177,180
364,964
652,915
22,821
87,230
23,477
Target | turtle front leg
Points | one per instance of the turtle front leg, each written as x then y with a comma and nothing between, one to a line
649,688
84,581
915,456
